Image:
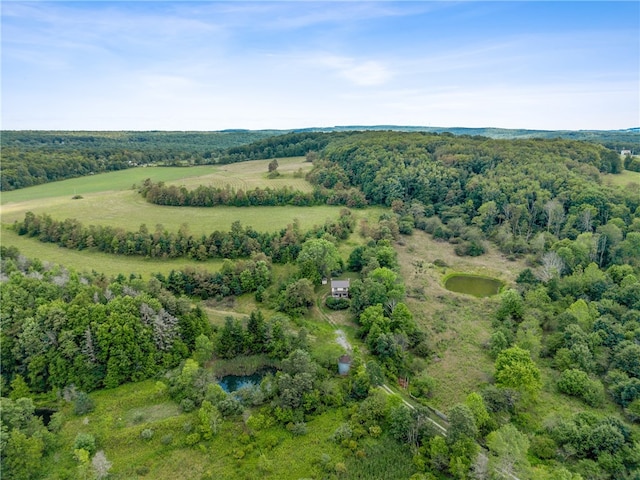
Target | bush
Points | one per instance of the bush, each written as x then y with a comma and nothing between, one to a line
83,404
543,447
146,434
56,422
85,441
343,432
578,384
192,439
298,428
187,405
142,470
337,303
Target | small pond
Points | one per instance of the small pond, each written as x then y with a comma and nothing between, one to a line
231,383
475,285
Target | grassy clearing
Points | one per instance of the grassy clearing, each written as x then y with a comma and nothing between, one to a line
123,413
251,175
129,210
625,179
111,181
110,265
457,325
109,199
245,173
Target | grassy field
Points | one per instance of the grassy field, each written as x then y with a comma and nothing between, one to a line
122,413
129,210
252,173
624,179
109,199
110,265
457,325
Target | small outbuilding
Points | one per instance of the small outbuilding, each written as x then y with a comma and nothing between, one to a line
340,288
344,364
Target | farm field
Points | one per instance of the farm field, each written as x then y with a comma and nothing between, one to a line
239,175
108,199
86,261
127,209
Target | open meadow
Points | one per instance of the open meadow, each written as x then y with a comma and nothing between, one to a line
458,325
626,178
111,199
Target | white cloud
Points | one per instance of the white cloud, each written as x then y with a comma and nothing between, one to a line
365,73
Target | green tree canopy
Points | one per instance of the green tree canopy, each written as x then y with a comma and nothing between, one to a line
317,259
515,369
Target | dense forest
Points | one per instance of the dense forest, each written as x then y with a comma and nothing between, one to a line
36,157
568,327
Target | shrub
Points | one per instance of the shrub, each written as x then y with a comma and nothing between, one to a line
146,434
83,404
578,384
142,470
55,424
192,439
187,405
337,303
343,432
167,439
543,447
85,441
298,428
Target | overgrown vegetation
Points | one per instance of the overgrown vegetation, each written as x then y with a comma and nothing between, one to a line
560,392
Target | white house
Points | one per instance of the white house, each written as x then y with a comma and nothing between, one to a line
340,288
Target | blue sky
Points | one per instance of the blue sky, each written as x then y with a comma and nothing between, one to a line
215,65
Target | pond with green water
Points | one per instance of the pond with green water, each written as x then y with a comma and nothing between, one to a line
231,383
475,285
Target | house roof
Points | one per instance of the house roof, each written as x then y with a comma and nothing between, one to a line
340,283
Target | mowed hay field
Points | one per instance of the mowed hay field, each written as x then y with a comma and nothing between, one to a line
110,199
457,325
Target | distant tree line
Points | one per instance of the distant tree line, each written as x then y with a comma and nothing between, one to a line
210,196
32,158
287,145
239,242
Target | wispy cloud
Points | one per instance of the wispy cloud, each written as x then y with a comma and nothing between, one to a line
364,73
210,65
